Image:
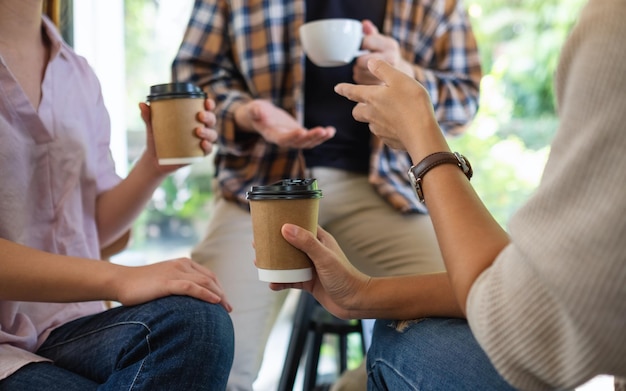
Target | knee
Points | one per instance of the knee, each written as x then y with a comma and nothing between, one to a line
382,335
420,355
204,329
401,347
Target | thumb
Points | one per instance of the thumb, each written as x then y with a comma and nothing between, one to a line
259,111
303,240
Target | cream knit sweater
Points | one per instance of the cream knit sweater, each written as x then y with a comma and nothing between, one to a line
551,311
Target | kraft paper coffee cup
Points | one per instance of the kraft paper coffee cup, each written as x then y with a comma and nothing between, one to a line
294,201
174,110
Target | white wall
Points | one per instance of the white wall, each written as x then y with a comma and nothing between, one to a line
99,37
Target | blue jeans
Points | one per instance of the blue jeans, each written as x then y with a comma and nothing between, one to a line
430,354
173,343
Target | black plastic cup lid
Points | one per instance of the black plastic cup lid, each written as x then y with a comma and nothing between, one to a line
175,90
286,189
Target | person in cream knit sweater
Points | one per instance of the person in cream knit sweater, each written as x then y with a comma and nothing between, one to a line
545,300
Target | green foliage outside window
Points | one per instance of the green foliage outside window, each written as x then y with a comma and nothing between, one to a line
178,212
508,142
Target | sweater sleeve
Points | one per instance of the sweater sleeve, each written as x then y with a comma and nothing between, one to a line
551,311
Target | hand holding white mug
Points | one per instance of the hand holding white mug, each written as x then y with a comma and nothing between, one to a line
379,46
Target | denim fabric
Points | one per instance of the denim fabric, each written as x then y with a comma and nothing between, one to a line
173,343
429,354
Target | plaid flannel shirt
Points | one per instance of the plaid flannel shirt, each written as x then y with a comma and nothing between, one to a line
242,50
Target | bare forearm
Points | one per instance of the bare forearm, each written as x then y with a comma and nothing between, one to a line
47,277
120,206
469,237
408,297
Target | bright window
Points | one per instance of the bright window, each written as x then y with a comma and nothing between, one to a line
131,45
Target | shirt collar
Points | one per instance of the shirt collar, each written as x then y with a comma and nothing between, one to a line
57,45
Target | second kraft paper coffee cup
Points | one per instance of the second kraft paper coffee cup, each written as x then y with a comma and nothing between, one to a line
294,201
174,109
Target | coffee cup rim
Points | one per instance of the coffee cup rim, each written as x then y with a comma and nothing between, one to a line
286,189
174,91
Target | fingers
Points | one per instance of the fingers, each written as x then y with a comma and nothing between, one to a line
207,118
200,282
213,281
364,93
207,134
302,138
207,147
209,104
200,269
316,136
378,43
279,286
369,28
173,277
208,137
373,40
146,116
354,92
188,288
280,127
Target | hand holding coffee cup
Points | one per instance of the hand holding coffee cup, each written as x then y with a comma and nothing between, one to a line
293,201
332,42
174,109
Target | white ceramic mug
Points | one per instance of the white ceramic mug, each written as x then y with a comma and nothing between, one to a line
332,42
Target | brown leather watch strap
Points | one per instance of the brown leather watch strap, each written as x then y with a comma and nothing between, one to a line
417,172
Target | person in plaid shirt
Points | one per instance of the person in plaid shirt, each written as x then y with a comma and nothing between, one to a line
278,117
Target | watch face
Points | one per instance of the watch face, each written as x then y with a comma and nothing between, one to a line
465,165
416,184
412,176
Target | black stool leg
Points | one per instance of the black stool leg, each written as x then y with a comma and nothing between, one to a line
312,360
297,341
310,317
343,352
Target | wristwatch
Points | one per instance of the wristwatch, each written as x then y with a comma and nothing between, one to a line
417,172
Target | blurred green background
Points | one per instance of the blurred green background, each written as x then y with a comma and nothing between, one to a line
508,143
